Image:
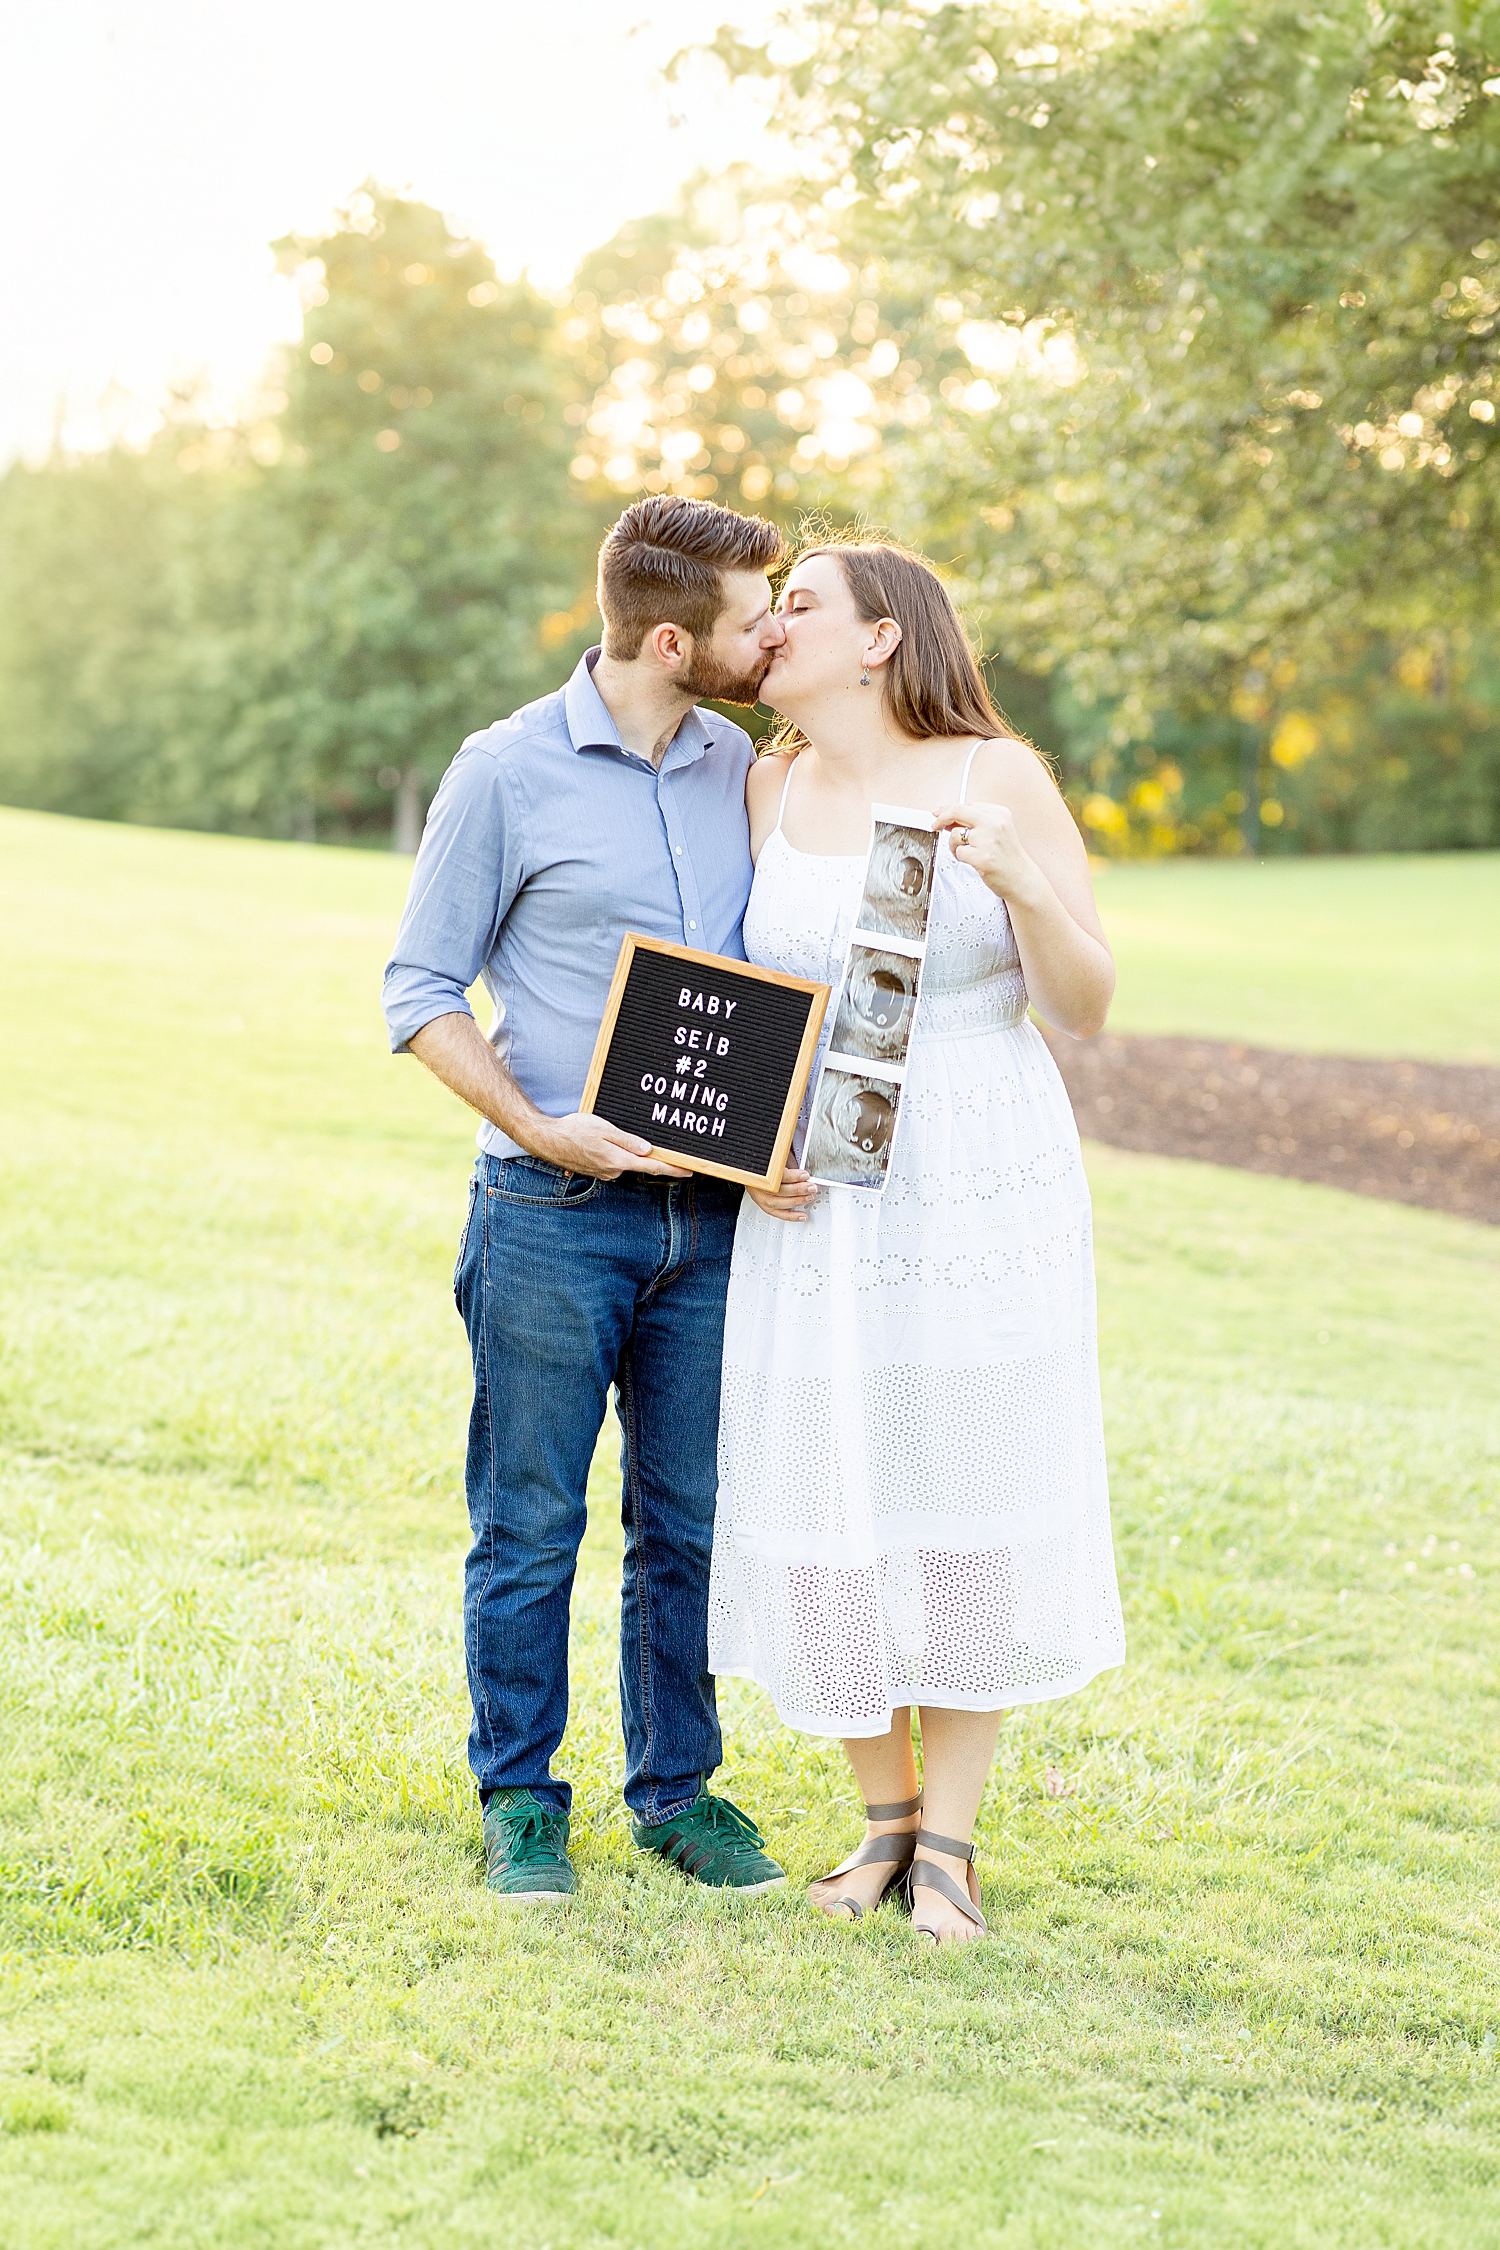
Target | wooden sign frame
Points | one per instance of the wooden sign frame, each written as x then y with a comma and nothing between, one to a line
722,969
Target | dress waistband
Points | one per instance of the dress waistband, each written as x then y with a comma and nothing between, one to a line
998,1004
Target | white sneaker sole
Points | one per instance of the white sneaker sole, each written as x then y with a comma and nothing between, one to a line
533,1898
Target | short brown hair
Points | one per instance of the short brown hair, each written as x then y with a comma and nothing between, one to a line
933,685
661,564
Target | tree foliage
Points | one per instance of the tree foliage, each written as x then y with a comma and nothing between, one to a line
424,499
1169,331
730,356
277,627
1209,295
107,576
1260,244
731,353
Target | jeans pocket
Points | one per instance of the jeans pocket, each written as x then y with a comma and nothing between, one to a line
527,1179
463,1237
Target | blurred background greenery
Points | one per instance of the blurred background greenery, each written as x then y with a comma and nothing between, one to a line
1169,334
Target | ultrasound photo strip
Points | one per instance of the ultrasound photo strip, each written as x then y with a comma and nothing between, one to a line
856,1102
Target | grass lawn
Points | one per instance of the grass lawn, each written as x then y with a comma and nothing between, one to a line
1244,1987
1390,955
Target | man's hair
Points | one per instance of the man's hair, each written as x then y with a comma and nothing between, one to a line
661,564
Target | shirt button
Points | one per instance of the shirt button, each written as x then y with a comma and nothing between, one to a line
678,849
692,925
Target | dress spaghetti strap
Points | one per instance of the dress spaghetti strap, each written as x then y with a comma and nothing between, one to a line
785,786
963,794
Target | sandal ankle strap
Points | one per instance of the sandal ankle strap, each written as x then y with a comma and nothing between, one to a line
876,1851
946,1844
895,1812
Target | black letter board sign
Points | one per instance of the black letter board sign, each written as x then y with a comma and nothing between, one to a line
705,1058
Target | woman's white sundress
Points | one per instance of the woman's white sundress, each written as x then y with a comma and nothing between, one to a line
913,1504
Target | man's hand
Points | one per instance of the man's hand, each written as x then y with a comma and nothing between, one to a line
592,1145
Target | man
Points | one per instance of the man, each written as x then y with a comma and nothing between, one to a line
612,805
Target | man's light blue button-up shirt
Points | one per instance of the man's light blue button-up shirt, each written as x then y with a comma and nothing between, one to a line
546,842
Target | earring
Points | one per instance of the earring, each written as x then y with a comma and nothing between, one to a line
864,678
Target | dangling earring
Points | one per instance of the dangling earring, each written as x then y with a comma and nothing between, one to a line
864,678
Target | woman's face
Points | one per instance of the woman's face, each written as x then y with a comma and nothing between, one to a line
826,638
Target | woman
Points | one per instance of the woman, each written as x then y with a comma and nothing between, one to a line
912,1503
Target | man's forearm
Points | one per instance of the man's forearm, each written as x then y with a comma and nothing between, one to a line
456,1051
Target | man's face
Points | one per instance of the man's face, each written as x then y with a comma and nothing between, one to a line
729,666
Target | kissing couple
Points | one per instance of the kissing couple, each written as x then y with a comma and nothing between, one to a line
862,1450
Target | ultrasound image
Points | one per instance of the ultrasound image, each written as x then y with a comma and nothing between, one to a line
898,881
877,1005
850,1131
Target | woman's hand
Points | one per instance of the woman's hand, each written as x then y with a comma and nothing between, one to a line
792,1200
985,838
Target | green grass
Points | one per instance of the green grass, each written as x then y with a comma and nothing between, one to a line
1244,1986
1389,955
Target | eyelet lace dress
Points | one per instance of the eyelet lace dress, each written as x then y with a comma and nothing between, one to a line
913,1503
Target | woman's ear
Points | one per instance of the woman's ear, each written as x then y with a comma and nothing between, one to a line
883,642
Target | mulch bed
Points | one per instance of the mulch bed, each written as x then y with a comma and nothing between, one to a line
1412,1132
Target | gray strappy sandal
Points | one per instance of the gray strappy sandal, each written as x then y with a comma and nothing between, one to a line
895,1851
923,1876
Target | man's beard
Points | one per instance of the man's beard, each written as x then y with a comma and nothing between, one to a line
707,680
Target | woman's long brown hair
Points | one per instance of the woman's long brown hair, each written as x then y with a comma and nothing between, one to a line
932,684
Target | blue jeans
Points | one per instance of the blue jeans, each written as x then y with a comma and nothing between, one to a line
566,1285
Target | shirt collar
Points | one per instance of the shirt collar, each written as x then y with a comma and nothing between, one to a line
590,726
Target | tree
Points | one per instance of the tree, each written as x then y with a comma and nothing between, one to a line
283,626
427,521
104,566
728,355
731,352
1212,295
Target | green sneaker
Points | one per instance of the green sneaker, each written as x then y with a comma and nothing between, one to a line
714,1843
526,1849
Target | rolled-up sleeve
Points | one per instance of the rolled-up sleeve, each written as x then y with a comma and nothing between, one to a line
467,874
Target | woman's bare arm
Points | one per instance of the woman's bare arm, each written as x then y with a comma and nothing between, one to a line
1023,841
